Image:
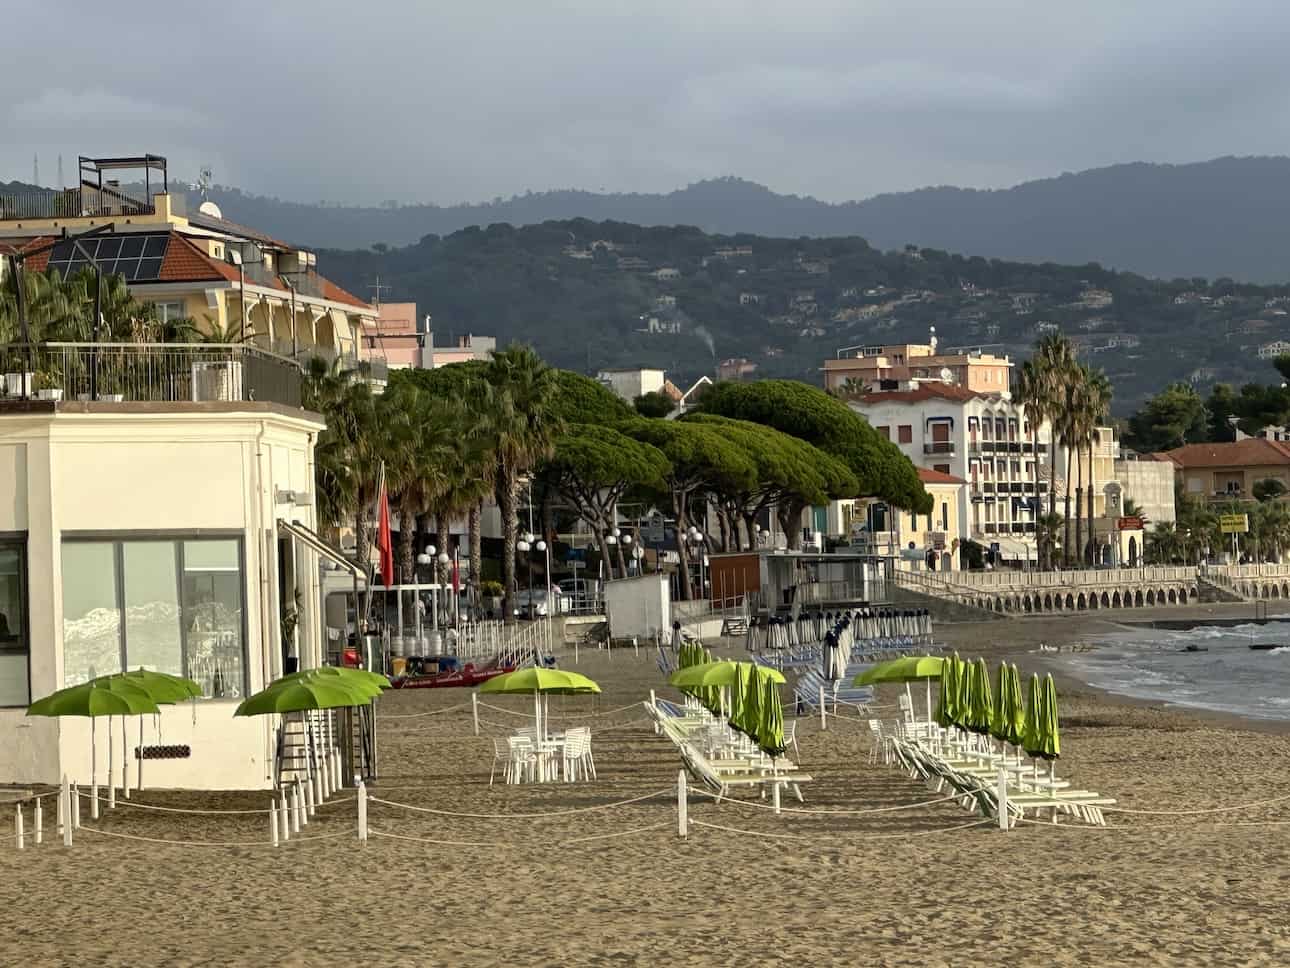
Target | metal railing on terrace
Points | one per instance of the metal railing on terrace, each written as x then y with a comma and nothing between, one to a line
70,203
152,372
1065,579
1265,570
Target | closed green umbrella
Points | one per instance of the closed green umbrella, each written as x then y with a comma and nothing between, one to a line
964,704
750,722
1016,709
999,712
982,706
738,698
771,735
1050,740
1032,738
945,702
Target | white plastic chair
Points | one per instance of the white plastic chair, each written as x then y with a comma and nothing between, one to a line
790,736
523,759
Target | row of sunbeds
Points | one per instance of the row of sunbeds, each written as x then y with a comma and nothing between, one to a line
719,756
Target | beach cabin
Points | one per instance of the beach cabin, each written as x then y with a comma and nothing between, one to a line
172,534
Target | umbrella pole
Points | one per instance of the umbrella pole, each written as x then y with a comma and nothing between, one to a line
537,722
111,778
139,779
928,683
125,760
94,766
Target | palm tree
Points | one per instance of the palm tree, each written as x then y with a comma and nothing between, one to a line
1047,535
1054,360
1097,400
348,452
522,429
1164,544
1031,392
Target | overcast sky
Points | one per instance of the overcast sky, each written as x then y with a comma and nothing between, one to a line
448,101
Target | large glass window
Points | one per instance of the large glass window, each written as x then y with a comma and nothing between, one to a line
167,604
91,611
15,651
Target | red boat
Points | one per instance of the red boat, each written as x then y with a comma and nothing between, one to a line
468,675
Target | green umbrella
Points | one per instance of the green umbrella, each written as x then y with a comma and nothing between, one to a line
369,683
1032,738
750,721
771,735
979,718
299,695
723,673
1016,709
93,700
999,711
1050,741
540,682
945,703
164,688
908,669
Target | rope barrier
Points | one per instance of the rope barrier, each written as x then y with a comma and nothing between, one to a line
121,802
210,843
901,836
432,712
501,709
827,813
520,816
1196,813
373,832
592,715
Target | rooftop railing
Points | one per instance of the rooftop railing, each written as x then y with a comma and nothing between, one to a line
70,203
151,372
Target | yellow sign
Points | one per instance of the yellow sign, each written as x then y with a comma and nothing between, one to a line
1234,523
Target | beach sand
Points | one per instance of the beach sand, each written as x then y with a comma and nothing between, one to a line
893,888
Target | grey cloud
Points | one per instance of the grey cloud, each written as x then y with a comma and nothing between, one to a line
448,102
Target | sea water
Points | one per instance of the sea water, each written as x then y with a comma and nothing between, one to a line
1230,677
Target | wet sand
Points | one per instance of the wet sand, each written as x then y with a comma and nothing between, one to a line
889,888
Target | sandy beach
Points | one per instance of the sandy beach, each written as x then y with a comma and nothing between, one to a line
618,886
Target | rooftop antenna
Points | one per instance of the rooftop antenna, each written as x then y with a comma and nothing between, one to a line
204,176
376,287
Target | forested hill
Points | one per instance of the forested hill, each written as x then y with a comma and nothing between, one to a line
590,295
1226,217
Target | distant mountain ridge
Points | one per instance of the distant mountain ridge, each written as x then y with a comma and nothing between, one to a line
1229,217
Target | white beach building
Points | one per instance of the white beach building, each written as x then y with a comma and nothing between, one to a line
168,535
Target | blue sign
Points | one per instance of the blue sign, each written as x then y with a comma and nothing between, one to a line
576,554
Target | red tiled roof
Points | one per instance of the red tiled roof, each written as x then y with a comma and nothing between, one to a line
929,476
35,263
928,391
1254,452
336,294
184,262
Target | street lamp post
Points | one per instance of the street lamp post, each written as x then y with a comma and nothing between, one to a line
695,539
543,547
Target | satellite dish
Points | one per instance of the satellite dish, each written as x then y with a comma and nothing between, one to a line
210,208
947,375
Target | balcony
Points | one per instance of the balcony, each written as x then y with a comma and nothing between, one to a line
148,372
71,203
939,447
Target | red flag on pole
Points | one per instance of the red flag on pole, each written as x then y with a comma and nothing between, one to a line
384,543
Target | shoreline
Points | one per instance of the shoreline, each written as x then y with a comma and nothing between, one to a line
1021,636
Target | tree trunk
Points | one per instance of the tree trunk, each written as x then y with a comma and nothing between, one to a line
476,549
507,488
682,523
790,522
1066,542
1037,502
442,538
362,536
407,542
1091,538
724,526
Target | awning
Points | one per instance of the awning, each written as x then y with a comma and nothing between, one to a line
1014,549
329,551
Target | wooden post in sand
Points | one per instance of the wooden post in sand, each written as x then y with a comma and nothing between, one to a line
474,710
823,712
682,805
362,812
1003,799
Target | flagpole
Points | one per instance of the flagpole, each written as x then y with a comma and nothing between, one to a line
371,572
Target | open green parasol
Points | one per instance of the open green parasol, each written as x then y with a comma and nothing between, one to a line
540,682
722,673
300,695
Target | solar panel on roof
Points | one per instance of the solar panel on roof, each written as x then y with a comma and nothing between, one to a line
136,257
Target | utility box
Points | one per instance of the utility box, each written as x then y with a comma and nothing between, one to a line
640,606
